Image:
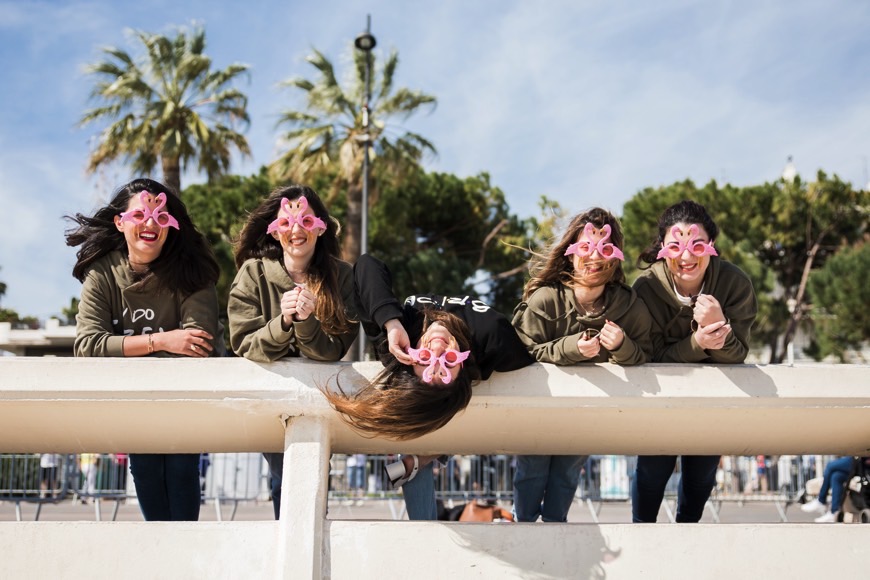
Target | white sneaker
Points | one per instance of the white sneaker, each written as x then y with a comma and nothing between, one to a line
828,518
814,506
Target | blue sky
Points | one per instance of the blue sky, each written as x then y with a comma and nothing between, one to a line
585,102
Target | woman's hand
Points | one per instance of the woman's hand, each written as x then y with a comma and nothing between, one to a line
611,336
289,302
191,342
712,336
306,302
708,310
398,341
589,347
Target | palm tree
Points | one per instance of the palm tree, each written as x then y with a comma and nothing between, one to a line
329,133
170,107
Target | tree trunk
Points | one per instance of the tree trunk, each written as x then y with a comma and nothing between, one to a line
353,224
172,173
797,311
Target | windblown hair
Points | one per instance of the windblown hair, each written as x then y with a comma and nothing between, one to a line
554,267
186,263
687,212
397,404
254,242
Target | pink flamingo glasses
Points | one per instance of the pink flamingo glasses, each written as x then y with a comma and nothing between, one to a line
585,248
285,223
143,214
448,359
696,247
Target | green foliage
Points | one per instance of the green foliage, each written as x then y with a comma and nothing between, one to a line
327,137
168,106
841,293
219,210
444,234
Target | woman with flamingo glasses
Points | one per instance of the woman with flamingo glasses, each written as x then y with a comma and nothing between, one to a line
293,295
148,289
433,348
702,309
576,309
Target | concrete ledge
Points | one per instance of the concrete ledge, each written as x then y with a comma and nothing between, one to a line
358,550
172,405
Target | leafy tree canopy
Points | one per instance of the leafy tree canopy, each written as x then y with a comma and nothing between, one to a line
841,293
169,106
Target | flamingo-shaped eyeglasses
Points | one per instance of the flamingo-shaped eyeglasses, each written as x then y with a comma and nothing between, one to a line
696,247
285,223
585,248
143,214
448,359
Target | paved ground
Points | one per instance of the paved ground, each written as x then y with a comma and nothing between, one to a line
610,512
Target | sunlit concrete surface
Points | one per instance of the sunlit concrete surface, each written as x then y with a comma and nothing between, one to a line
164,405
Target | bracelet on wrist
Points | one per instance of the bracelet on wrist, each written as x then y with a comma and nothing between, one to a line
150,344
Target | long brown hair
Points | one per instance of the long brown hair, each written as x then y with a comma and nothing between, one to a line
397,404
555,267
254,242
186,262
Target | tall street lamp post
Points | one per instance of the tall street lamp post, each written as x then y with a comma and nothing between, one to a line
365,42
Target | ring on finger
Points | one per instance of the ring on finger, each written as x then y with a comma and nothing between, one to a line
193,347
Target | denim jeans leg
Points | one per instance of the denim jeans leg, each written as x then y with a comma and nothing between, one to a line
182,486
697,481
648,486
419,495
561,486
276,472
149,477
839,470
530,483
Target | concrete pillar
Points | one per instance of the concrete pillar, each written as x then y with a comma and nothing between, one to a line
303,498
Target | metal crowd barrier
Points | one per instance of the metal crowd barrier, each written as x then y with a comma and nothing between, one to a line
232,478
35,478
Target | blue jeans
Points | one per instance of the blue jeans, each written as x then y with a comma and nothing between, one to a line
419,495
356,476
276,472
167,486
651,478
544,486
836,474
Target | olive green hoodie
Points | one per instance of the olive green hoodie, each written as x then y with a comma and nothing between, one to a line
550,324
254,310
112,307
672,335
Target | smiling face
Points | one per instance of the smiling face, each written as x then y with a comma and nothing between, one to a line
591,269
145,237
687,268
437,339
297,240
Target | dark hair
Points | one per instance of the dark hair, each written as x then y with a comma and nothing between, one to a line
254,242
186,262
397,404
686,212
555,267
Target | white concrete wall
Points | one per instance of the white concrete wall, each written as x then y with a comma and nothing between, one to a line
163,405
106,405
